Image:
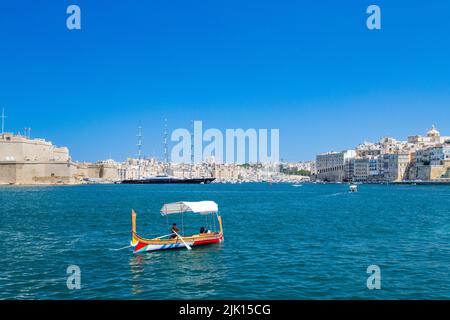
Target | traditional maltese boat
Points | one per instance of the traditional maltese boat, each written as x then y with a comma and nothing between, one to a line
175,240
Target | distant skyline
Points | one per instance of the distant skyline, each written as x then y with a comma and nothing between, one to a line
312,70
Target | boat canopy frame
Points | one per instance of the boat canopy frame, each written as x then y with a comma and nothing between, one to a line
201,207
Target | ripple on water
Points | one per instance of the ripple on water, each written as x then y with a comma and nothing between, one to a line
314,242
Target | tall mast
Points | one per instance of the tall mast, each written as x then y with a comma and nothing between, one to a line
139,145
192,149
166,151
166,154
3,120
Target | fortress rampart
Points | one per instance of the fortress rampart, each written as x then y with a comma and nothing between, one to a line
37,161
34,161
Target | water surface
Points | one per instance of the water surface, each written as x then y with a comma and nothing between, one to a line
281,242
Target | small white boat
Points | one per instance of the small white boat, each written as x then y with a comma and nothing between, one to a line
353,188
297,185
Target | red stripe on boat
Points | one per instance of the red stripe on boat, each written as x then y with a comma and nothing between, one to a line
201,242
139,246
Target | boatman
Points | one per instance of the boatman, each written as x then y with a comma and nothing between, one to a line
175,230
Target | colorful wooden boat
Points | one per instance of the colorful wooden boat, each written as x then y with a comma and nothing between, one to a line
175,240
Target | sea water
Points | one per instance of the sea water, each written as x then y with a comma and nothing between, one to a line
281,242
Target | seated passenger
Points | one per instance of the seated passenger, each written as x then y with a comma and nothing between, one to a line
174,230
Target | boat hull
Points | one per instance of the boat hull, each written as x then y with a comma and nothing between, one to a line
159,245
170,181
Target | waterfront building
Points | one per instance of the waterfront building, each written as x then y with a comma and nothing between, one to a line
395,166
375,166
361,170
335,166
368,169
439,154
432,163
418,158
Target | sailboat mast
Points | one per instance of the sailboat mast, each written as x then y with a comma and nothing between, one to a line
166,151
192,150
139,145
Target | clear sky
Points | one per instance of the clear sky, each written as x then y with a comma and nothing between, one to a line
310,68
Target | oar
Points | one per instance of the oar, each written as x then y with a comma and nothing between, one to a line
187,246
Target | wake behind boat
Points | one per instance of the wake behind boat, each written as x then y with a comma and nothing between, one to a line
165,179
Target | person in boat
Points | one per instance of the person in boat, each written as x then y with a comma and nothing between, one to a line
203,230
175,230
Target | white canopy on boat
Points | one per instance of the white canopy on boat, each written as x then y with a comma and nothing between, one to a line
202,207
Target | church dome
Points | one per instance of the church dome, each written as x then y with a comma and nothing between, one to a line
433,132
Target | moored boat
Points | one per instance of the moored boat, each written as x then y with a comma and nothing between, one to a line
164,179
176,240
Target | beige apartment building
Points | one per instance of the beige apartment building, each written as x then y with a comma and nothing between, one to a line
335,166
432,163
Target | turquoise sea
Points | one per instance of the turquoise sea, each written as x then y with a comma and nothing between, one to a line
281,242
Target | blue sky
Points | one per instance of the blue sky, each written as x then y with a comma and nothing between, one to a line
310,68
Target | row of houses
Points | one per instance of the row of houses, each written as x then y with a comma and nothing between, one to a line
418,158
134,168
